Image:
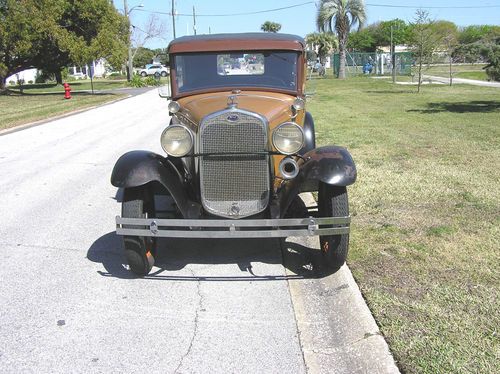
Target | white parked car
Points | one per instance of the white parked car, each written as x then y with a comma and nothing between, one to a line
163,70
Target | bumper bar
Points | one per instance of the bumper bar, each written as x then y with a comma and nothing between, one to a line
214,228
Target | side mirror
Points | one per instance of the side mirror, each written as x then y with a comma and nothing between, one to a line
164,91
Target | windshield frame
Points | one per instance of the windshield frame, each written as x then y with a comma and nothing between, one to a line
296,91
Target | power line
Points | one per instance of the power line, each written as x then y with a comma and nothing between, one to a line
313,2
229,14
432,7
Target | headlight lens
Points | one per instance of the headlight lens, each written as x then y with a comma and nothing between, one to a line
176,140
288,138
174,107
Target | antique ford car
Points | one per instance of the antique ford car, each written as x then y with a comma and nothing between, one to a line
239,149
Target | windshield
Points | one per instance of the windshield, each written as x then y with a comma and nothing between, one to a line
274,70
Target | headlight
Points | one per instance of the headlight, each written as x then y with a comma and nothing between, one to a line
174,107
288,138
177,140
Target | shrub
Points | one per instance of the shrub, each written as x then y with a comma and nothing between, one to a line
152,81
30,82
136,81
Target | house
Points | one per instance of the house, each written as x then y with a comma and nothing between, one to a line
96,68
25,76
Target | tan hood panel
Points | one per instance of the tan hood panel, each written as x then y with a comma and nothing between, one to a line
275,107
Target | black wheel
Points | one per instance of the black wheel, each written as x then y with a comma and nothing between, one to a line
144,74
333,203
138,202
164,74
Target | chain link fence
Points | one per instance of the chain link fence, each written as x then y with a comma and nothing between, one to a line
358,63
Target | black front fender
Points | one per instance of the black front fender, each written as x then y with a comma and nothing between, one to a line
138,168
330,164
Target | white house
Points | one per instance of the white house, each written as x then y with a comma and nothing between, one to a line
25,76
83,72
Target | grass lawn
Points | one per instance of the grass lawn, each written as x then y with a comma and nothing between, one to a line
426,214
17,109
79,85
459,71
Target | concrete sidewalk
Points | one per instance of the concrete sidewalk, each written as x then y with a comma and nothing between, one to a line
462,81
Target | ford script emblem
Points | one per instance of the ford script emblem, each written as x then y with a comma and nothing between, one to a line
233,117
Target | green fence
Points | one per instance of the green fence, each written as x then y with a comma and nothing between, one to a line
358,63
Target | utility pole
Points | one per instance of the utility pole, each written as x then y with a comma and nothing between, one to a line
194,21
393,59
129,61
129,39
173,17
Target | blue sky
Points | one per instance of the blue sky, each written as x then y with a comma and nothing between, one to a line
299,20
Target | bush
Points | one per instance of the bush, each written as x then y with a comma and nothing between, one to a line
30,82
11,82
152,81
492,55
136,81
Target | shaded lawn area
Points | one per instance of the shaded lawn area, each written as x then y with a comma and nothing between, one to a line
17,109
79,85
426,214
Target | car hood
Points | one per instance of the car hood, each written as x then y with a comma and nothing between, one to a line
275,107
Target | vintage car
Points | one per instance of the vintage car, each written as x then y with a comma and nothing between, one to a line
239,148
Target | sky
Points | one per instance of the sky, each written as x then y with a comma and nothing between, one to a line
299,20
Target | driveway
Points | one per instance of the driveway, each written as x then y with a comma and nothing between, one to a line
67,303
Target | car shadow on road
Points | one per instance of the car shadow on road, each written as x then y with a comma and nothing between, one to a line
174,255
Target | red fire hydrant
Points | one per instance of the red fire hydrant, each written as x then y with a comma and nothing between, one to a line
67,91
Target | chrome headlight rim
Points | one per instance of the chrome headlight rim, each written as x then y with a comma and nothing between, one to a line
275,132
174,107
191,136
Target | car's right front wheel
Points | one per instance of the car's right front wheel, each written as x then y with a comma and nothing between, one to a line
138,202
144,74
332,202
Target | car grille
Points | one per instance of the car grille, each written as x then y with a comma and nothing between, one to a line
234,185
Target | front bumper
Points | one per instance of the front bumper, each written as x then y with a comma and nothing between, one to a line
225,228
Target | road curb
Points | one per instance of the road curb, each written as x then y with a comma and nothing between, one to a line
25,126
337,331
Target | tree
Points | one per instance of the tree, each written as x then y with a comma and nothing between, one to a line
491,52
341,15
143,56
151,29
362,41
269,26
58,33
424,42
324,43
475,33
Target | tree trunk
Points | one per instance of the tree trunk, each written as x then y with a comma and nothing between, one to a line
342,61
58,76
3,84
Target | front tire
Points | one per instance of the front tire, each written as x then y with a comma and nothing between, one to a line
164,74
333,202
144,74
138,202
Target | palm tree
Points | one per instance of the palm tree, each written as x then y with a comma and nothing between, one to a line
269,26
341,15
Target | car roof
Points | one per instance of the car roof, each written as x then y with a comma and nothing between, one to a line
236,42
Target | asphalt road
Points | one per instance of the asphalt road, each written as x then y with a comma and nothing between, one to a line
68,304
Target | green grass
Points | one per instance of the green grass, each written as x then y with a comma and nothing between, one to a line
79,85
426,223
17,109
459,71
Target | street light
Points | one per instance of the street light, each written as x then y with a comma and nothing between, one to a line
127,14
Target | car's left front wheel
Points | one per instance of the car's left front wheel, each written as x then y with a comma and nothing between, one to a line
138,202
